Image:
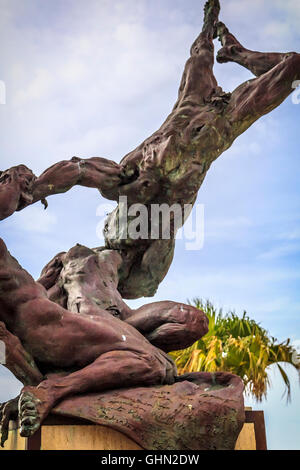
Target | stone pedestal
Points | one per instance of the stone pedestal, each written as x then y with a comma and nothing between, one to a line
59,433
200,411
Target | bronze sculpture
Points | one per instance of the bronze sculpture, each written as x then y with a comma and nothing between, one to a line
73,331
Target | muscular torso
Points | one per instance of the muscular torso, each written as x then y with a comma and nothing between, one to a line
169,167
176,158
52,334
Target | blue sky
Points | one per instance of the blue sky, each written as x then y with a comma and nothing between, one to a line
95,78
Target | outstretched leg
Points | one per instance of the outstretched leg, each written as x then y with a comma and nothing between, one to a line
111,370
233,51
257,97
169,325
198,80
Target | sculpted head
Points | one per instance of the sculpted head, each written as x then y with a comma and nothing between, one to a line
22,179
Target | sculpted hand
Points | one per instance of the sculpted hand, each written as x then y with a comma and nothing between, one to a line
8,412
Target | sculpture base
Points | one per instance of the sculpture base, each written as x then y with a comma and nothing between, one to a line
200,411
60,433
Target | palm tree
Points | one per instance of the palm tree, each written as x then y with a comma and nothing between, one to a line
240,346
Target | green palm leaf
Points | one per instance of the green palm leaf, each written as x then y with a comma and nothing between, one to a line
238,345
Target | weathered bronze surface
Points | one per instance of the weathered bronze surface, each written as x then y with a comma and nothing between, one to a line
202,411
71,332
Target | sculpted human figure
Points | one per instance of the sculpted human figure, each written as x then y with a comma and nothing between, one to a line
95,350
73,322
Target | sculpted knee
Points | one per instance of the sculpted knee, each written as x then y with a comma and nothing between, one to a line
195,322
293,61
157,368
198,323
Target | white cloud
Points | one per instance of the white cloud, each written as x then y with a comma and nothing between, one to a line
100,71
294,234
296,343
33,219
224,228
38,88
280,251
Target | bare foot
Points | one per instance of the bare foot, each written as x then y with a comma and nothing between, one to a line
34,405
228,54
211,14
221,32
231,47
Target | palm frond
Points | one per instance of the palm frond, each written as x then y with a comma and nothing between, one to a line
238,345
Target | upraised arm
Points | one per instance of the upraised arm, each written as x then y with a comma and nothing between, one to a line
100,173
19,187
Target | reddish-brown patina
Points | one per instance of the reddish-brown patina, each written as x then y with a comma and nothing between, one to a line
71,332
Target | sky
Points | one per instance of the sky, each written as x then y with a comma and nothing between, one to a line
95,78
